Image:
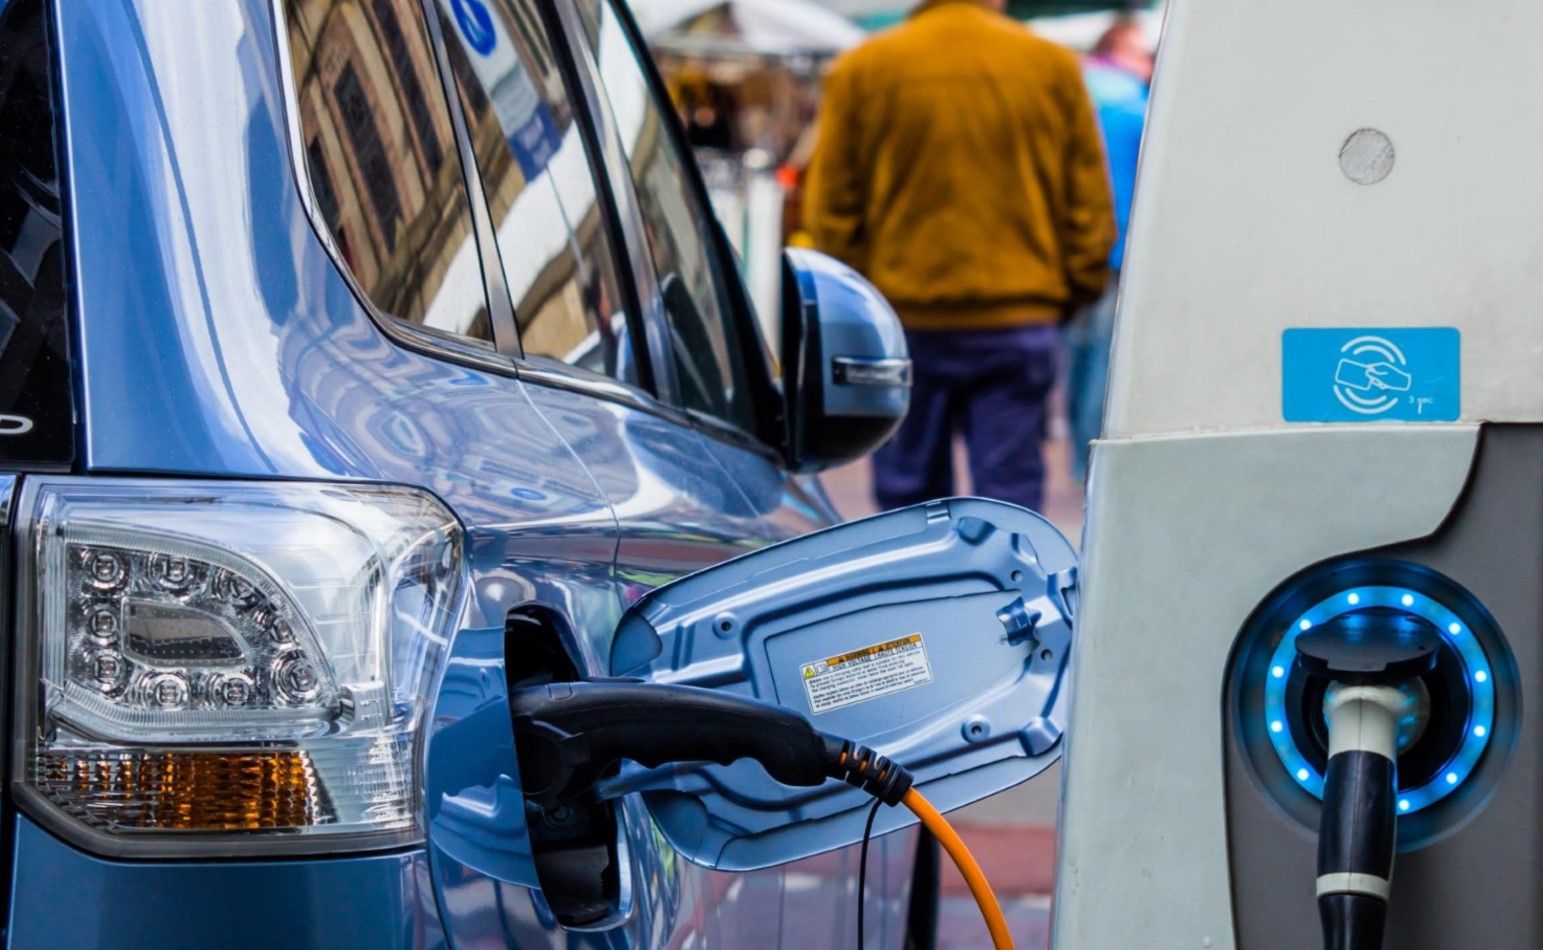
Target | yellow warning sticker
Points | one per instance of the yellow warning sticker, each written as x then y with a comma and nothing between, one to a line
856,677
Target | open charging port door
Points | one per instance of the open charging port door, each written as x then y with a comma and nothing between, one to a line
936,635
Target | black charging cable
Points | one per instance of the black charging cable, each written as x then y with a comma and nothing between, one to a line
862,874
569,736
1367,657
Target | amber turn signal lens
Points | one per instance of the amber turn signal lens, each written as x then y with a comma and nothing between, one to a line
182,791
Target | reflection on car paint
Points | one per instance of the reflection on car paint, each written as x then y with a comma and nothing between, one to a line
236,348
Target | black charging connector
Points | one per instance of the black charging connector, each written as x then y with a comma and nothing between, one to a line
571,735
1367,655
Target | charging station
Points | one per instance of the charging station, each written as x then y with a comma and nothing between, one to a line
1308,654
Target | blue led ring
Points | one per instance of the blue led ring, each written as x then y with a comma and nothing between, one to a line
1477,670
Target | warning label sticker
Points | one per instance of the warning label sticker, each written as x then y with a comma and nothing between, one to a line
866,674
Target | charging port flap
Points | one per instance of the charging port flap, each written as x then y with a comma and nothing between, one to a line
936,635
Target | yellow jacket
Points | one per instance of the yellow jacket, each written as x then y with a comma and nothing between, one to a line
960,168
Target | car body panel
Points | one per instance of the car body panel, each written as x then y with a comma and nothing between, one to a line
937,635
376,901
787,506
221,339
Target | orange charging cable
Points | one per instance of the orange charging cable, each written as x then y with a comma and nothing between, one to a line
934,821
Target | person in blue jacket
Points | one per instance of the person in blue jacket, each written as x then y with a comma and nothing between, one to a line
1118,74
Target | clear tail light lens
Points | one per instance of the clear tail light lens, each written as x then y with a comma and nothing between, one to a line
207,660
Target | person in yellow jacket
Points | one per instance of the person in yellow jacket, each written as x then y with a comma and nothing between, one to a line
961,170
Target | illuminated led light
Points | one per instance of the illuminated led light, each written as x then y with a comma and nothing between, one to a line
1469,648
1277,726
1354,599
1403,804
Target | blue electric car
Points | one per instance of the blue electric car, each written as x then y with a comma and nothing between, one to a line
365,361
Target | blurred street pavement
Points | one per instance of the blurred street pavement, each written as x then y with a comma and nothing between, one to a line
959,926
1013,834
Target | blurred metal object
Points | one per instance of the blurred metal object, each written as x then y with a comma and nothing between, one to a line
1023,8
748,200
775,27
1073,23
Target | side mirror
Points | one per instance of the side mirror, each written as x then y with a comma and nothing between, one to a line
846,372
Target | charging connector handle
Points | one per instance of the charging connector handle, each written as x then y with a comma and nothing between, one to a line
570,735
1359,830
1366,656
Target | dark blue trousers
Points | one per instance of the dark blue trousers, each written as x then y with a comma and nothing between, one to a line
992,387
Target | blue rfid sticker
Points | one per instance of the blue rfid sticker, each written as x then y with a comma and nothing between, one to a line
1382,375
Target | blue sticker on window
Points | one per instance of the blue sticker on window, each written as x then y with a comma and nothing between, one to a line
476,24
1381,375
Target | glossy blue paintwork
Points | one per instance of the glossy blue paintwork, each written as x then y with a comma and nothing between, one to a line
216,337
64,898
982,585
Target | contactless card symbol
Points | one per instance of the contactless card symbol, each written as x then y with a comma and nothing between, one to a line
1372,373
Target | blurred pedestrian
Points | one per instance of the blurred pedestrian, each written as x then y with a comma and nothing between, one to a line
1118,74
960,169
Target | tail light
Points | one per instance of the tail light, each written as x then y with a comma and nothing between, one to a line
206,662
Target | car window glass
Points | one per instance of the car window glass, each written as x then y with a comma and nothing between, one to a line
704,342
382,161
537,173
37,421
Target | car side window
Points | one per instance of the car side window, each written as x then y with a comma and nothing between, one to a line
538,176
36,392
706,347
381,156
